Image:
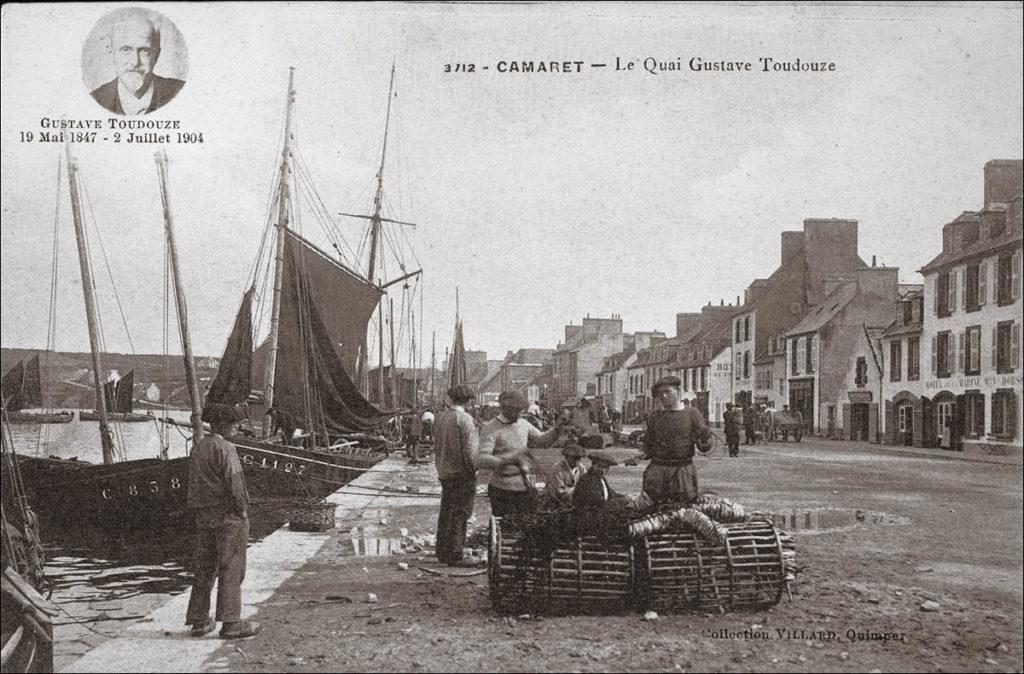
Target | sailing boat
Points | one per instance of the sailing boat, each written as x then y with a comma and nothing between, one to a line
124,497
119,400
21,389
303,370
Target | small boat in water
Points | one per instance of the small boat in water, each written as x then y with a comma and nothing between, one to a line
120,405
22,389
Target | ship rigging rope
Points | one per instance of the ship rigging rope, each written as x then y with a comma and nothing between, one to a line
120,448
321,208
272,197
43,433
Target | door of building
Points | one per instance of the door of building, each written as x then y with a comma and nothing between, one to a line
859,424
801,399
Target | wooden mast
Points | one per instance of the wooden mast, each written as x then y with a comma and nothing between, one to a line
433,366
179,297
375,222
394,369
282,229
106,437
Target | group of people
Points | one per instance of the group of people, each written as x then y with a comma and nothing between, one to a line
503,446
756,421
219,501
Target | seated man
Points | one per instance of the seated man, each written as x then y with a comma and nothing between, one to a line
593,493
561,481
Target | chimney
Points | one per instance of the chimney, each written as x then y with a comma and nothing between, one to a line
879,281
792,242
1003,178
874,261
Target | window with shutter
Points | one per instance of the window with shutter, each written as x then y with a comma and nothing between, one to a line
1015,346
960,341
970,279
982,284
1015,283
951,303
972,354
935,359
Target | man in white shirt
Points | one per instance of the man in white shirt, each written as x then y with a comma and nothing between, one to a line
505,443
134,50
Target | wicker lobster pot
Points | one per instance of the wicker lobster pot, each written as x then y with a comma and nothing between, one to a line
311,515
681,571
583,575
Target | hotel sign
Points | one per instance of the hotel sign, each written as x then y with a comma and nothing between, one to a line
975,382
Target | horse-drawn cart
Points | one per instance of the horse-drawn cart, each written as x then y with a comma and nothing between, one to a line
785,424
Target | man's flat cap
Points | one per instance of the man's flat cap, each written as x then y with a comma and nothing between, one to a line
513,399
574,450
670,380
461,392
219,413
602,459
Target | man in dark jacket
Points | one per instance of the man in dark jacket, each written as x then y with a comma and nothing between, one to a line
672,433
592,492
732,429
134,50
218,499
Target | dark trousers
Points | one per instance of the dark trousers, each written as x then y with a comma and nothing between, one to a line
505,502
219,556
457,494
671,483
751,437
732,440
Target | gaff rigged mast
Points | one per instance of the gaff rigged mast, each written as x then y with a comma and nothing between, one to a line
376,219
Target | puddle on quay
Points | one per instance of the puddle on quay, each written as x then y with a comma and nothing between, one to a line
371,534
819,520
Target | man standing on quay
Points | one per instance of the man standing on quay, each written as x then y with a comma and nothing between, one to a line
217,496
456,444
671,435
505,443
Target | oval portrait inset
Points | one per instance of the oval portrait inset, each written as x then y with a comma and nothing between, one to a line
134,61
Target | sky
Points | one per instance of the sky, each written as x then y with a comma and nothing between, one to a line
542,197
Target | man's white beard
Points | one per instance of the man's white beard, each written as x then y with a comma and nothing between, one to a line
132,80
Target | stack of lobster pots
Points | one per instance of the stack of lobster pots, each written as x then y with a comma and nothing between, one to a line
710,556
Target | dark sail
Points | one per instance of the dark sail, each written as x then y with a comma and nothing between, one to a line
458,358
310,380
346,302
32,392
109,395
12,385
123,393
234,377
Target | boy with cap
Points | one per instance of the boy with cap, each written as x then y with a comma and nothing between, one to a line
593,491
217,496
505,443
456,444
671,434
565,475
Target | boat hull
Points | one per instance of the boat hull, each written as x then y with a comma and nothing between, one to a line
282,471
127,497
126,417
40,417
26,625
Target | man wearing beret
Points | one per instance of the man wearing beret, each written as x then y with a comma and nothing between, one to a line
456,444
505,443
218,498
593,491
564,476
671,435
